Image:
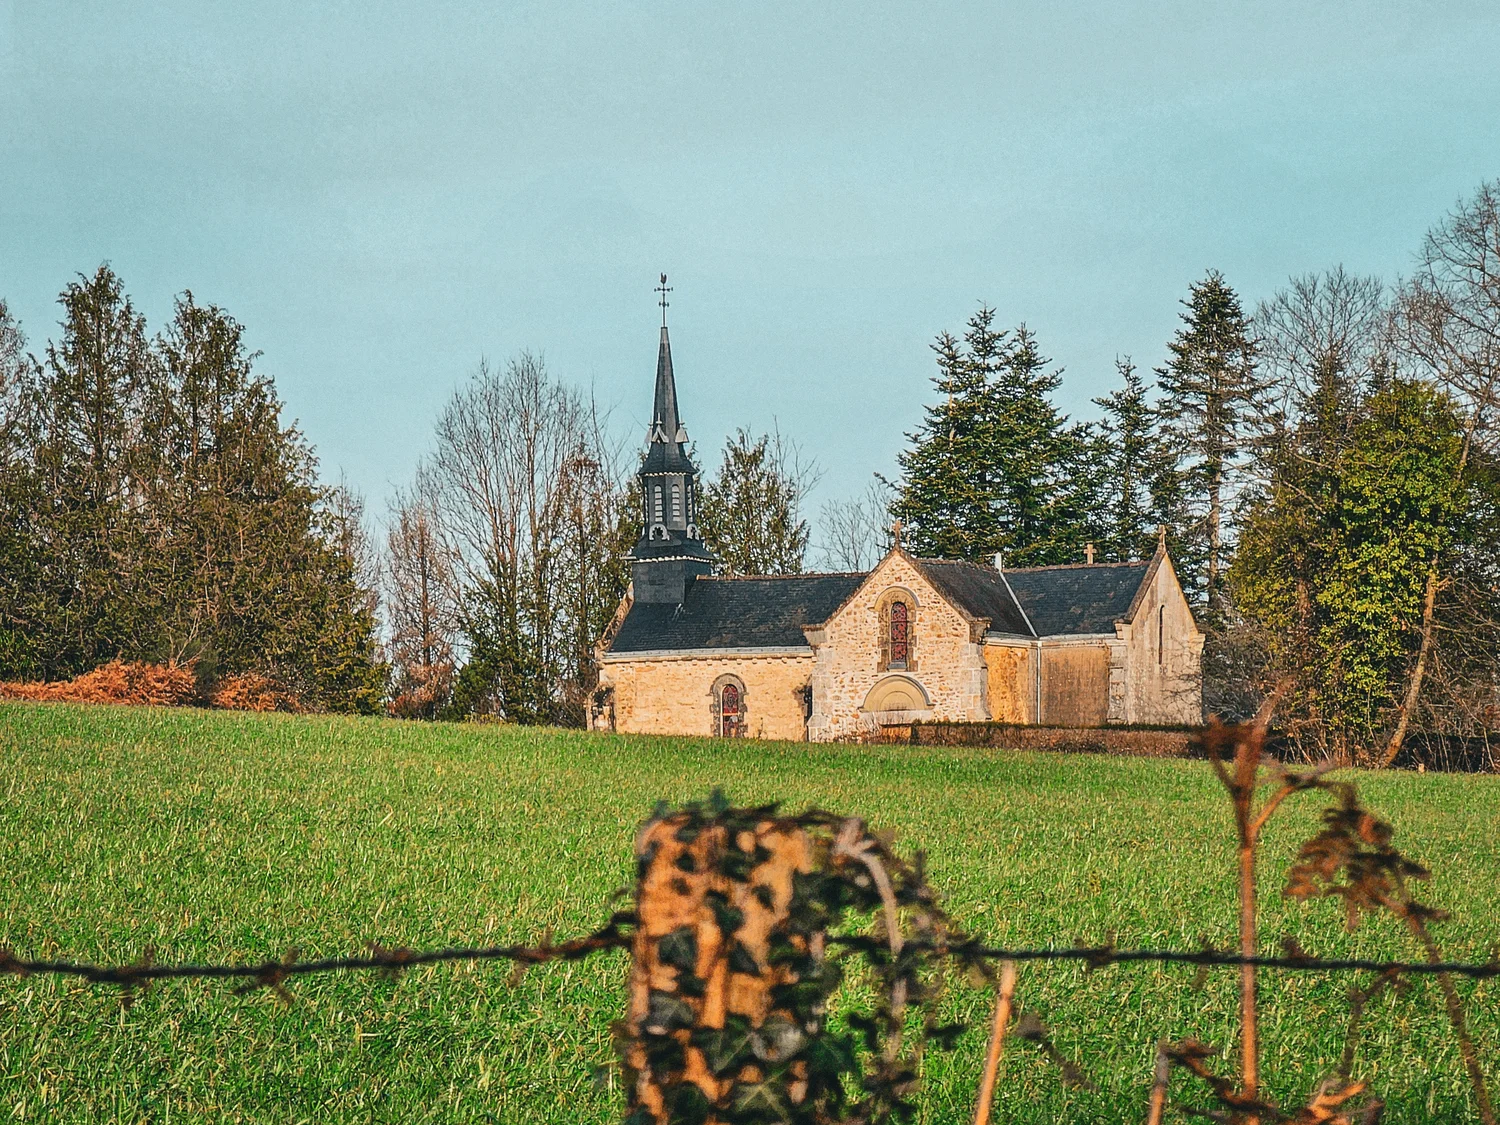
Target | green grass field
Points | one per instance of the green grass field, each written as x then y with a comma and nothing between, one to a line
218,836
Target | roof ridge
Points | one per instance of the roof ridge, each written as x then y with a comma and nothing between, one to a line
959,562
987,569
775,577
1074,566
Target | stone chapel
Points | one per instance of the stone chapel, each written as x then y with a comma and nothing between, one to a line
829,656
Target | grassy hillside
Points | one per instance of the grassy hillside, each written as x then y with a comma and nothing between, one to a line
213,836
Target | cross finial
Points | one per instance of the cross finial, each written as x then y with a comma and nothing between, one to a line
896,533
664,289
1088,553
1161,536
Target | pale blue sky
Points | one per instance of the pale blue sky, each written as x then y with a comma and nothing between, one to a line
385,193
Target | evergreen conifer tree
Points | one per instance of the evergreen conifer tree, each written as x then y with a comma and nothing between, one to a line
156,507
1131,459
1210,396
751,514
995,467
84,607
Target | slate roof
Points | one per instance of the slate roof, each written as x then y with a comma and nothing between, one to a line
737,613
979,590
1077,599
770,612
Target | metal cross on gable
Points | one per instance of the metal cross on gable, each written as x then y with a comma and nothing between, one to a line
664,289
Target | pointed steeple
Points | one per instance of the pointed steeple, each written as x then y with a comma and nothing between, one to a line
664,416
665,452
670,553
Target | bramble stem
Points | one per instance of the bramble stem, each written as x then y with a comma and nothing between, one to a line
1003,1000
1158,1103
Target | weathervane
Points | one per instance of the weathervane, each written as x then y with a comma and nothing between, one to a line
664,289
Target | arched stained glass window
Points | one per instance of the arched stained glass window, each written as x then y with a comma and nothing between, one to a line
731,712
900,634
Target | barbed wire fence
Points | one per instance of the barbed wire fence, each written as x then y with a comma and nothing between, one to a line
746,921
616,935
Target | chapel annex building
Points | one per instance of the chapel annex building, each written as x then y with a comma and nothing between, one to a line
829,656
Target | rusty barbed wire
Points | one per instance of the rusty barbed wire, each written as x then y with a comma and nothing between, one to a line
272,974
269,974
1100,956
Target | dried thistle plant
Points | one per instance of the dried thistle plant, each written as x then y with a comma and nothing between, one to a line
1354,860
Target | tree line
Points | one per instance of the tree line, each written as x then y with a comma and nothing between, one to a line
154,505
1324,465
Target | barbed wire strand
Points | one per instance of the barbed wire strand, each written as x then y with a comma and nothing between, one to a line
614,936
272,973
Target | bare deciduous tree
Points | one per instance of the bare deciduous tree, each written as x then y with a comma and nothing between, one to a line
522,486
420,610
1446,326
854,534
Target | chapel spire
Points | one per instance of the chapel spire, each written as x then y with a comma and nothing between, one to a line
667,438
670,553
664,408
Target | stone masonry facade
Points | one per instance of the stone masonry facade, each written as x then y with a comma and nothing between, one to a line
949,670
674,694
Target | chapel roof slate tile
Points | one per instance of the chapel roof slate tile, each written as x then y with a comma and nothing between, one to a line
978,590
769,612
736,613
1062,600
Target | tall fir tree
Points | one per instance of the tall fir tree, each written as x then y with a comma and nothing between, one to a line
995,467
85,605
1132,460
22,504
1211,395
751,514
943,498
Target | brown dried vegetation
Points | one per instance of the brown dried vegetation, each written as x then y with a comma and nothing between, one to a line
139,684
250,691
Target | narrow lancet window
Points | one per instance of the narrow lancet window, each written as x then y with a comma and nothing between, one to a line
900,634
729,709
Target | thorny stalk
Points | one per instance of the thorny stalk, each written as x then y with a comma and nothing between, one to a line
1162,1075
1415,916
1353,858
1240,777
1003,999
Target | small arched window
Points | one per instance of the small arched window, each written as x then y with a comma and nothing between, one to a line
900,634
897,640
729,707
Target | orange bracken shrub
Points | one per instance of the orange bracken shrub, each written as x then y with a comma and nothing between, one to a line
137,683
250,691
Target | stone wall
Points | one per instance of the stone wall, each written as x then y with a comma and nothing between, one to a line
949,668
1095,740
1075,684
673,694
1012,681
1163,665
